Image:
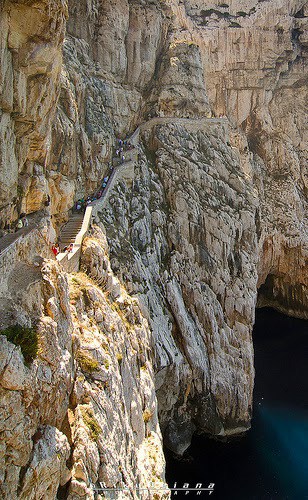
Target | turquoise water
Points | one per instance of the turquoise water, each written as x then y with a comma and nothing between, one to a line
271,461
284,449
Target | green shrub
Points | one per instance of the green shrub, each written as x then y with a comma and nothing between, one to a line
24,337
87,363
119,357
91,422
147,415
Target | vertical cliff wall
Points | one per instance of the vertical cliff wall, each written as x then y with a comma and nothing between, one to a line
127,62
31,59
211,221
184,239
83,412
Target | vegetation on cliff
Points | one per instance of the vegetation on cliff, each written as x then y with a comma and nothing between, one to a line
24,337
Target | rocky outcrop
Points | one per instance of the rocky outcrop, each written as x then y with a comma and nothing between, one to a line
35,398
84,412
191,208
114,422
31,58
210,224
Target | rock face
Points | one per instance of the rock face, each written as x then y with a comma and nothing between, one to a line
175,240
34,399
85,411
114,385
31,58
212,224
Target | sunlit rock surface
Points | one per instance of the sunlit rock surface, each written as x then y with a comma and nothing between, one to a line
216,210
84,411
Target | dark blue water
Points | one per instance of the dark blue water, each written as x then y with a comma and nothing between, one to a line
271,461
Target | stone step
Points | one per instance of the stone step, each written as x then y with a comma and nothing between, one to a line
70,230
69,233
72,227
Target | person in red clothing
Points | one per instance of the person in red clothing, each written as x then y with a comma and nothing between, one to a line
55,249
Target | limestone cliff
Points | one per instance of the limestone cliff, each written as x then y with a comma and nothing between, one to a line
210,223
31,57
84,412
130,61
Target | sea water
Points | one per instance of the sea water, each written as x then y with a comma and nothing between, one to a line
271,461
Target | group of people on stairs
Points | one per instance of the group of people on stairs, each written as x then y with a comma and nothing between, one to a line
82,203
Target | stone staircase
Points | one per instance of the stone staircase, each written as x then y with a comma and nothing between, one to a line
78,224
69,232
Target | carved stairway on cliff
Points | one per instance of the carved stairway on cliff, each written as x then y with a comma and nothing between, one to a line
75,232
71,229
78,225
